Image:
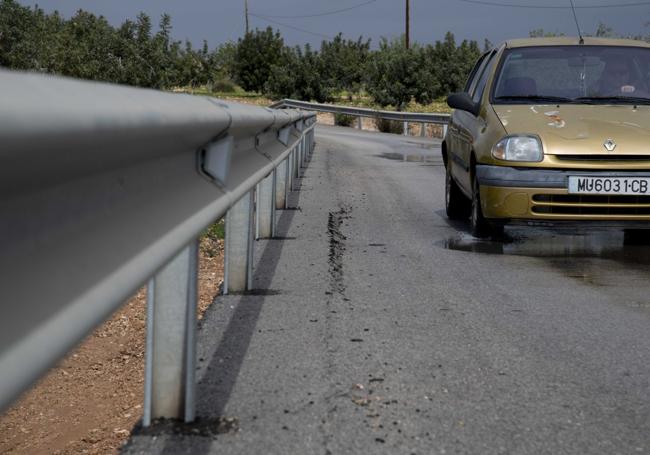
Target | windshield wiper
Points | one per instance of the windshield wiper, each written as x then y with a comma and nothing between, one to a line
538,98
612,99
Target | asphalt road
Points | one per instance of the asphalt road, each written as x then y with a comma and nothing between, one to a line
380,327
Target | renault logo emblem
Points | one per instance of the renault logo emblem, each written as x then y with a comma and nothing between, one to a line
610,145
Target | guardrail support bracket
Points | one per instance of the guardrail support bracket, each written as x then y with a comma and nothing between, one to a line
215,159
283,135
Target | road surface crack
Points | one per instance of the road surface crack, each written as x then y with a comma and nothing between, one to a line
337,248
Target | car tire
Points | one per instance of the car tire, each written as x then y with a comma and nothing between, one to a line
480,227
457,205
636,237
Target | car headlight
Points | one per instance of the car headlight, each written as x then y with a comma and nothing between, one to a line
519,148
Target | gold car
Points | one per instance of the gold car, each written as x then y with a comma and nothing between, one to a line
552,131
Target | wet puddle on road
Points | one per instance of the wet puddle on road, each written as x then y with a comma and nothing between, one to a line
412,157
586,257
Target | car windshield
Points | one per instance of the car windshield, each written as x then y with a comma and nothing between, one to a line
574,74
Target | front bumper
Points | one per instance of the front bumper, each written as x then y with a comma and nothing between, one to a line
517,194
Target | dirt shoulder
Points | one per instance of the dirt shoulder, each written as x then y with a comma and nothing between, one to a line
92,399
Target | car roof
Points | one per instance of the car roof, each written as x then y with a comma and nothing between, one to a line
569,41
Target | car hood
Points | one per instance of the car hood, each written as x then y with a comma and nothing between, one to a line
577,129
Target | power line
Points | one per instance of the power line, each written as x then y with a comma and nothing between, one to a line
325,13
518,5
264,18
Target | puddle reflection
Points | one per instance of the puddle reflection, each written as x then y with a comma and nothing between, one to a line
613,245
412,157
606,259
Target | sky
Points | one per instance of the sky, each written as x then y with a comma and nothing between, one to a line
218,21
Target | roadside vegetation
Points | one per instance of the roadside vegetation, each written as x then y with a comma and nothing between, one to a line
258,68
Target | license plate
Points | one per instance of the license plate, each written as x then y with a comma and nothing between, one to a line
609,185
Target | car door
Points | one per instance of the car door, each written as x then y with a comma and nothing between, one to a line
468,126
455,133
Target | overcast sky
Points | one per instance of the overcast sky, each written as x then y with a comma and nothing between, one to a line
221,20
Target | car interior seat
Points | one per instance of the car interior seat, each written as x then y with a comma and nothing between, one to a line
520,86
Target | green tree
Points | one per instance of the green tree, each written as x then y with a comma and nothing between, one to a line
603,31
256,54
541,33
222,60
87,46
299,75
343,62
26,37
451,64
395,75
191,67
487,45
86,42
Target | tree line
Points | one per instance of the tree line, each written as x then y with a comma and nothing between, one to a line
87,46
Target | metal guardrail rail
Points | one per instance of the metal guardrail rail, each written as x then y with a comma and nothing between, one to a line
103,188
406,117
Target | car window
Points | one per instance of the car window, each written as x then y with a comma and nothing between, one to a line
485,73
471,80
574,72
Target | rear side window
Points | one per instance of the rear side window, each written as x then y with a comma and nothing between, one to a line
485,73
471,80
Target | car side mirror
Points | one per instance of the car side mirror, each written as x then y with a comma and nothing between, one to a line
462,101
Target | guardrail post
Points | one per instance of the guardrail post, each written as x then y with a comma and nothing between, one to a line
281,174
423,129
238,267
444,130
359,123
311,142
265,216
406,128
171,339
290,172
296,164
305,148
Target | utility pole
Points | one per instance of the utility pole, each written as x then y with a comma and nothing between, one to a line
407,24
246,14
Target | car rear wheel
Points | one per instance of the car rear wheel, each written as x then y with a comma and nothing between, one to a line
481,227
457,205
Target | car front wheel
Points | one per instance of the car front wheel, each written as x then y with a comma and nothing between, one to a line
481,227
456,204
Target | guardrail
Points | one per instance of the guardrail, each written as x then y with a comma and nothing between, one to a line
103,187
359,112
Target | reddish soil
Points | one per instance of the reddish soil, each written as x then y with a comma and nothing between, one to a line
92,399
